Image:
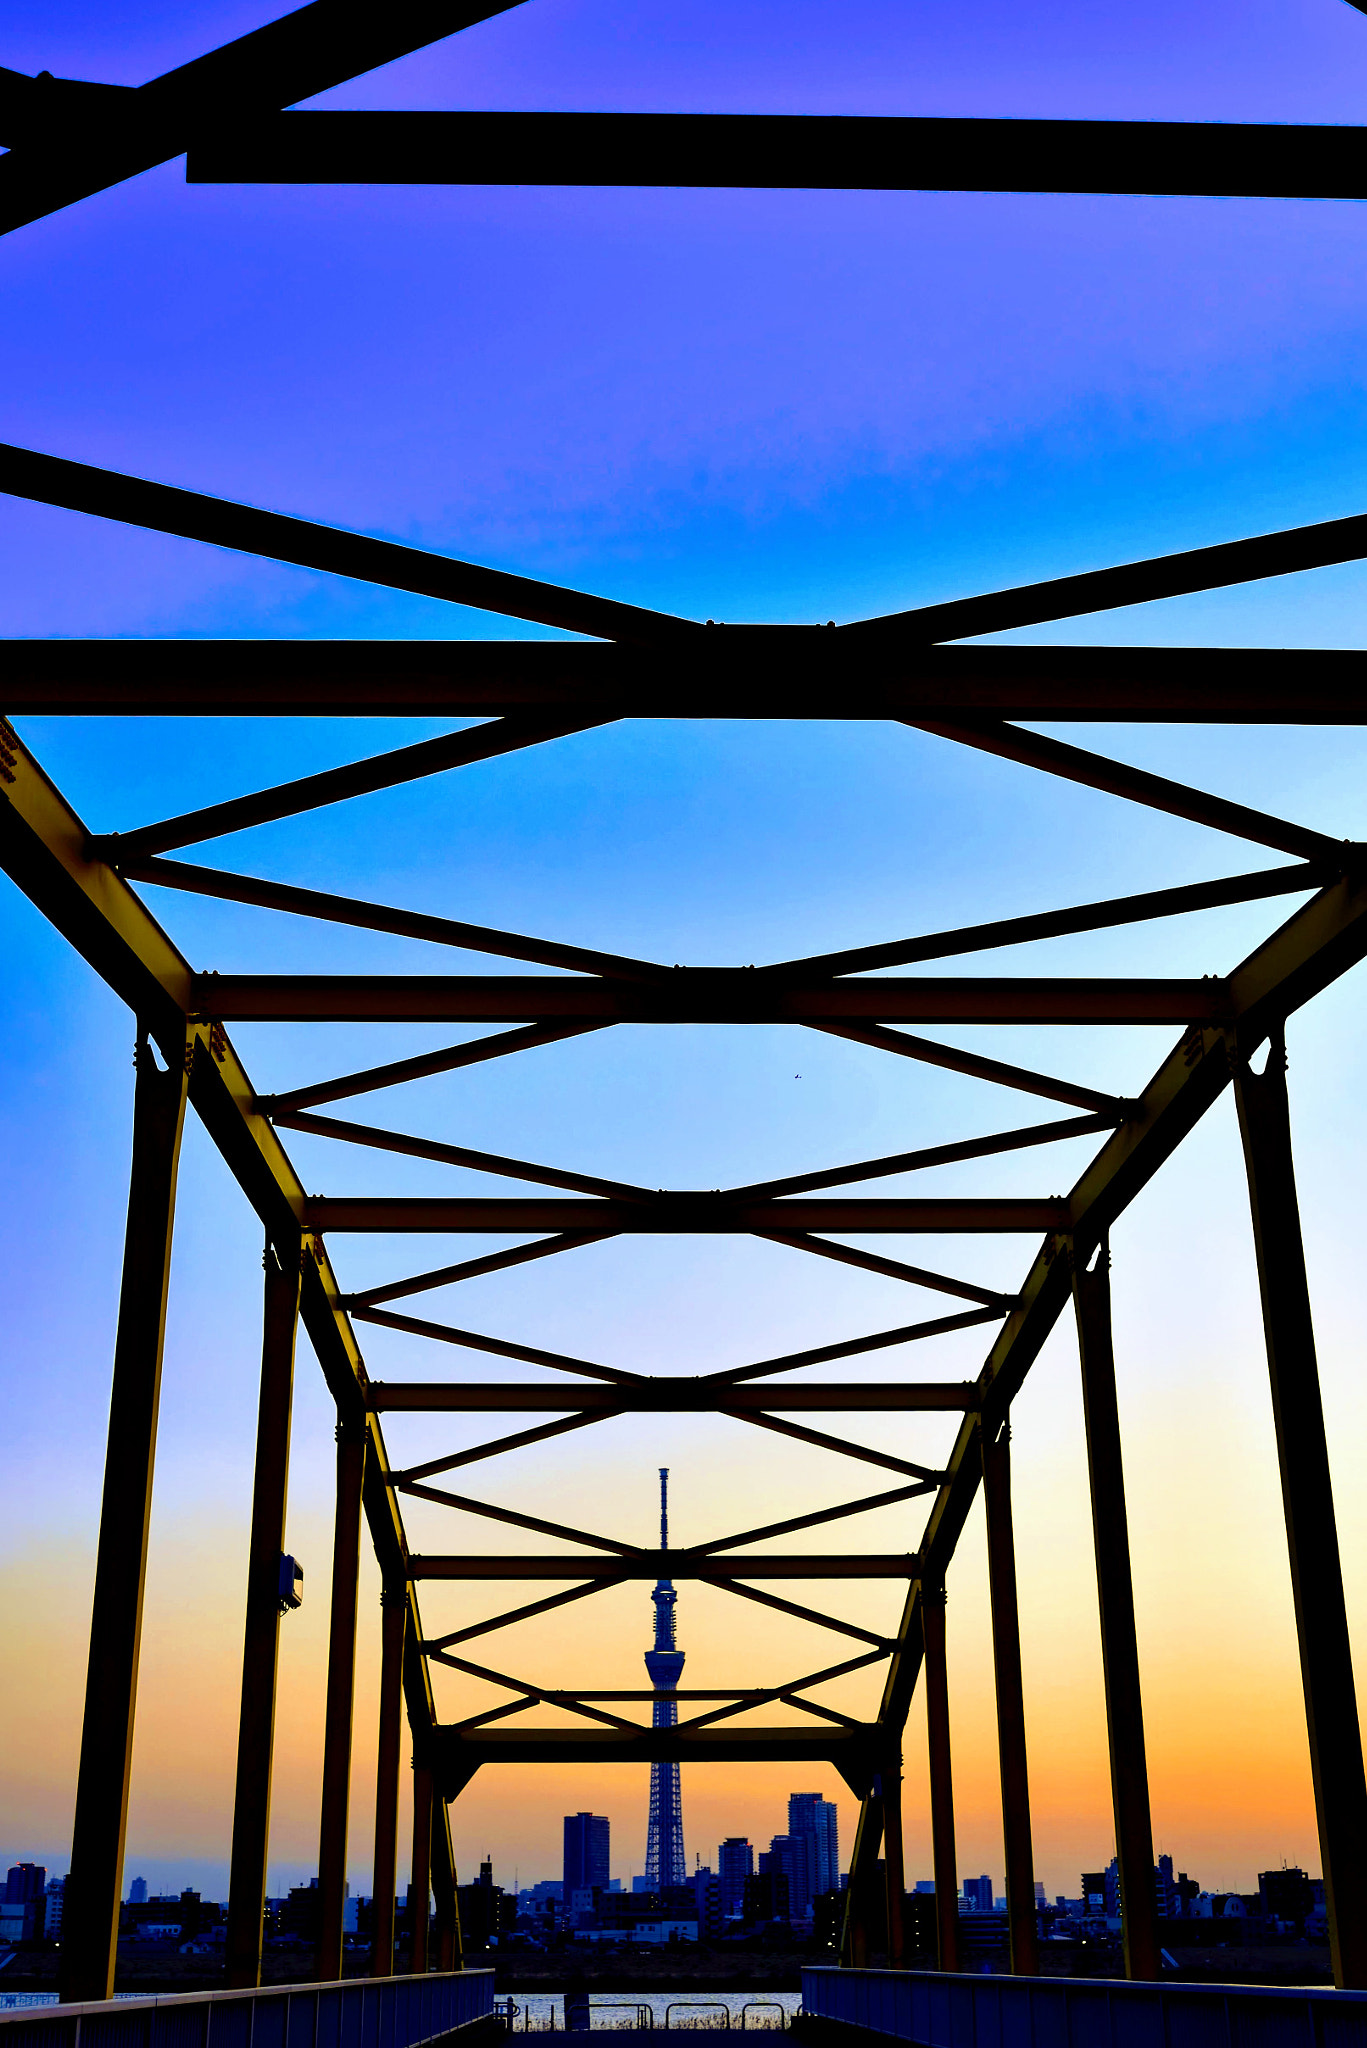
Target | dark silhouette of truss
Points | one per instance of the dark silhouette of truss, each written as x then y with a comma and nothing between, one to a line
70,139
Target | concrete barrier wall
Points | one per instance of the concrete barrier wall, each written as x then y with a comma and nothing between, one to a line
938,2011
386,2012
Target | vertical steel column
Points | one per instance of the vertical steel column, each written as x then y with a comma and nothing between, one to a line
941,1777
1006,1658
393,1618
1308,1503
90,1932
1115,1600
421,1885
444,1886
346,1565
894,1864
260,1653
863,1870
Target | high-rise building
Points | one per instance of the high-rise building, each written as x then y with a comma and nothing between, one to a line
587,1849
56,1901
735,1862
137,1892
24,1883
814,1821
787,1856
978,1894
707,1895
21,1909
665,1864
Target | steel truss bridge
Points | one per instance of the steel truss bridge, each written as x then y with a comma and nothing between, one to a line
70,139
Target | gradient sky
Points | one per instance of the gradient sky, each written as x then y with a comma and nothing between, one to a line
738,405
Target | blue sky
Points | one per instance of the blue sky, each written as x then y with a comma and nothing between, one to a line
761,406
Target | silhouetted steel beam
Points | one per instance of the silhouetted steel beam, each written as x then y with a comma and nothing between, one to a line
332,786
815,152
161,508
504,1713
1115,1601
891,1269
378,917
907,1046
930,1155
853,1347
1326,1657
42,846
90,1933
473,1269
447,1928
341,1698
66,146
1312,949
670,1397
393,1620
261,1649
1137,785
459,1755
859,1901
743,1702
677,1215
514,1519
753,672
558,1177
499,1347
746,1695
835,1623
795,1522
941,1778
396,1072
534,1694
1006,1665
1285,553
421,1866
889,1789
703,995
682,1565
518,1441
838,1444
1082,917
514,1614
458,1155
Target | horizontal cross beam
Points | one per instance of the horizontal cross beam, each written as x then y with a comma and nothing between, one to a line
679,1564
677,1215
752,672
815,152
669,1397
703,995
855,1752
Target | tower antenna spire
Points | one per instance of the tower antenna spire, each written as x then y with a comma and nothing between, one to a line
665,1866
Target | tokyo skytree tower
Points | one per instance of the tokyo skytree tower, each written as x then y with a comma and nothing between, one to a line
664,1663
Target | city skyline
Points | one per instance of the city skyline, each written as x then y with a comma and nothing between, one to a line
170,1875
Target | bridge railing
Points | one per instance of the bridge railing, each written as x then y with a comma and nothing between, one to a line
368,2012
936,2010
